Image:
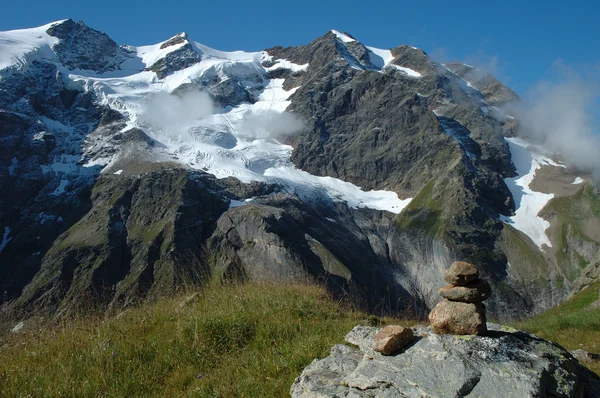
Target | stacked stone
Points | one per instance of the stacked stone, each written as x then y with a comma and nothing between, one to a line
462,310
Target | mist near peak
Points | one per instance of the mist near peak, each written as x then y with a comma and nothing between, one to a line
560,114
170,112
270,124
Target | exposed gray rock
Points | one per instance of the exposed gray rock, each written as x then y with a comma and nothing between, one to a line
81,47
494,91
186,55
502,364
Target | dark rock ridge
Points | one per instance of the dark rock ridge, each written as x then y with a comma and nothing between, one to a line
504,363
76,238
81,47
186,55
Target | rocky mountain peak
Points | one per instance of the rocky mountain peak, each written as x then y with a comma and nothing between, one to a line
81,47
496,93
392,166
177,39
181,54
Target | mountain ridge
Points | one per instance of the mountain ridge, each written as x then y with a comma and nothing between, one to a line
416,166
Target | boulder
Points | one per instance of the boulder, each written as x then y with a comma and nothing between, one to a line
472,292
454,317
460,273
501,364
392,339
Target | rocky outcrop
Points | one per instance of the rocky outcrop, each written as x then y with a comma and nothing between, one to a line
81,47
44,120
184,56
495,92
505,363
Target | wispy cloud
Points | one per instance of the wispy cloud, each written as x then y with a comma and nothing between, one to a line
561,113
269,124
170,112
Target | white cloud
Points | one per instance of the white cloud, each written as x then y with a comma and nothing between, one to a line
170,112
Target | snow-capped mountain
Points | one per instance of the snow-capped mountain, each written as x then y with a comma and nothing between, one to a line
126,170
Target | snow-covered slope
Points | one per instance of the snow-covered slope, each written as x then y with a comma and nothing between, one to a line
527,158
17,47
251,151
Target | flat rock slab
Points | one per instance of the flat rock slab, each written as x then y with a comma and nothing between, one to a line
472,292
460,273
503,364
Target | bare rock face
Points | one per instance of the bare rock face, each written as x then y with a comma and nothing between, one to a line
473,292
454,317
460,273
504,363
392,339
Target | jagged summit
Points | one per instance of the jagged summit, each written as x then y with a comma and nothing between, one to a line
177,39
345,37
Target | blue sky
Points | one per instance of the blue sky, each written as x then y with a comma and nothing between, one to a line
516,40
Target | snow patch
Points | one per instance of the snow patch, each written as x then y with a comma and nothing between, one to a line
239,203
5,238
13,164
118,172
578,180
285,64
18,47
61,188
343,37
151,54
528,203
309,188
407,71
380,58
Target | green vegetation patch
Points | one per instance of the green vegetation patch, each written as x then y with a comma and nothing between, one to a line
423,212
529,254
573,324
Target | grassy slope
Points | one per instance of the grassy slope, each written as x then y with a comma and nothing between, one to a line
571,324
235,341
248,341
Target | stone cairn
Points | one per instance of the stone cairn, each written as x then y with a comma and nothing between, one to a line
462,310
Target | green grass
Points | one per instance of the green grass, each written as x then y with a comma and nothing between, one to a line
423,212
234,341
571,324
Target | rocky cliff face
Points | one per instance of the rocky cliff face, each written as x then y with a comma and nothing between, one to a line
127,171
